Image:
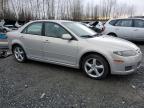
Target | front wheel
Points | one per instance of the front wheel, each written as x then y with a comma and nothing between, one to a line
19,54
95,66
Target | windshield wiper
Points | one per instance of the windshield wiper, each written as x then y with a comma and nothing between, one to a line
98,34
91,36
86,36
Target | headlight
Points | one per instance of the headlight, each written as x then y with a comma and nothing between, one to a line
125,53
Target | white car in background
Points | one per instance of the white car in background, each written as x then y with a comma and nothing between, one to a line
128,28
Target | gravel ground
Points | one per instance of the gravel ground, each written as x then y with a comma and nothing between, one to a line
41,85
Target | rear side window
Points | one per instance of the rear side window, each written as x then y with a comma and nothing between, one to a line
124,23
34,29
113,22
139,23
118,23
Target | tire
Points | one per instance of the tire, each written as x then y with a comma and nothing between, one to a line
112,34
19,54
95,66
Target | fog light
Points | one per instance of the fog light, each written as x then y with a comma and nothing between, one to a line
127,68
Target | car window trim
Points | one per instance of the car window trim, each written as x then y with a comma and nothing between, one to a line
125,19
134,23
114,22
30,25
73,37
117,22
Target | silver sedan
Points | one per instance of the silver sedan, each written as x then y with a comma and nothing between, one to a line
74,45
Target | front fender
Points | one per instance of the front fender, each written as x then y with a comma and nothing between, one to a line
106,55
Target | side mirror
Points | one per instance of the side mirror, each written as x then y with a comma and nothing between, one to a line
66,37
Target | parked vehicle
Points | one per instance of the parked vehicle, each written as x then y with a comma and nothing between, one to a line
10,27
2,29
128,28
7,28
97,26
3,36
74,45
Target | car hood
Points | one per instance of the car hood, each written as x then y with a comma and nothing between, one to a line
110,42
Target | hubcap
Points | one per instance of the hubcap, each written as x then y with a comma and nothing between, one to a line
94,67
19,54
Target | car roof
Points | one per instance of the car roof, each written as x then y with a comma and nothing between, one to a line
33,21
56,21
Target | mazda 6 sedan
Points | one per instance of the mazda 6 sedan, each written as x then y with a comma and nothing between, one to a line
74,45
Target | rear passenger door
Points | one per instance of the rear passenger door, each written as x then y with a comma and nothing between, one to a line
138,29
124,29
32,39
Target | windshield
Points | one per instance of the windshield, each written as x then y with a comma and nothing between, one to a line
80,30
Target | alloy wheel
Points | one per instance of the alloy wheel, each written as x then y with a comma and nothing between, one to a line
94,67
19,54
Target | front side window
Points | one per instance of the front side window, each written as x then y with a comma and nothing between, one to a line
139,23
124,23
34,29
54,30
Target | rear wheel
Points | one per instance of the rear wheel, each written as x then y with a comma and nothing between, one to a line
19,54
95,66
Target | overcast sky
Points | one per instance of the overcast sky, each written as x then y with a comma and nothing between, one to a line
139,4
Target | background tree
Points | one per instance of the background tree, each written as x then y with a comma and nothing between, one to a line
63,9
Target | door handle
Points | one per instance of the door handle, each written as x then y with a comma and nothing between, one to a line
136,30
22,37
47,41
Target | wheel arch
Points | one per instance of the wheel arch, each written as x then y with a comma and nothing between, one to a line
93,52
112,33
16,44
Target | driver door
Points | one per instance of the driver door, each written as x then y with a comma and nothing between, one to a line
57,49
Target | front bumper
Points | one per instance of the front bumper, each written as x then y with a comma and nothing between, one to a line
130,65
